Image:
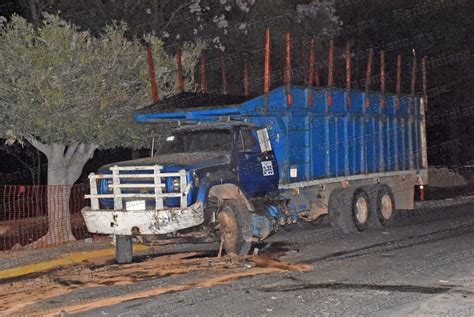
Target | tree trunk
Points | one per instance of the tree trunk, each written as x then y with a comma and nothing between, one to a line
59,217
65,165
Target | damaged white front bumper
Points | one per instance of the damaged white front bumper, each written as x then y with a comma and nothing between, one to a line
123,222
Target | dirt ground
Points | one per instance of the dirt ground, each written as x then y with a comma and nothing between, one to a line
18,294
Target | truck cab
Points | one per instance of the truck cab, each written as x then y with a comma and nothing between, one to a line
250,163
197,171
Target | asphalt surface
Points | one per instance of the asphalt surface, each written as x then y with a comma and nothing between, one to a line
421,266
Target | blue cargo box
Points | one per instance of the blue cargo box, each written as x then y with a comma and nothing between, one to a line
315,140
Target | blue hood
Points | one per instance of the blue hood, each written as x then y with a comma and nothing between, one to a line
170,163
176,161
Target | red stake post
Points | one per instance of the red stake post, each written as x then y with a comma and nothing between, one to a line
202,76
413,74
180,71
311,64
424,81
287,78
224,78
382,78
348,74
266,76
287,58
331,64
311,71
330,71
399,79
246,78
367,77
151,70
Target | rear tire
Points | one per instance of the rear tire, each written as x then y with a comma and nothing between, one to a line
381,205
123,249
235,227
340,204
349,209
360,209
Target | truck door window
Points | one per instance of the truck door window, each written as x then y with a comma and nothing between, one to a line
249,143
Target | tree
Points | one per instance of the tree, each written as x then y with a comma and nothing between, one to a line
233,27
68,93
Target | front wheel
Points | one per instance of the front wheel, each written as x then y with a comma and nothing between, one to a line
235,227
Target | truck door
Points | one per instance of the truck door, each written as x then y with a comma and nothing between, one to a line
256,166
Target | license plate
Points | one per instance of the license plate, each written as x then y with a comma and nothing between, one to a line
135,205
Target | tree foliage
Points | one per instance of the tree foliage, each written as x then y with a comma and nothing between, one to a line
235,28
61,85
68,92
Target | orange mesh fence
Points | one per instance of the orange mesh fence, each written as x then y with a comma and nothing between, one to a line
41,216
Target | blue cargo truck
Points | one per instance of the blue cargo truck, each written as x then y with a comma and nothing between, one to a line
236,169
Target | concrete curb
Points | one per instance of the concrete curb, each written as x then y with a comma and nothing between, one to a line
65,259
443,202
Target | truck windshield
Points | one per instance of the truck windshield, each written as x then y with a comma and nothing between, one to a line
197,141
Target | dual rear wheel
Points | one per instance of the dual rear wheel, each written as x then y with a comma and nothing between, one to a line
356,209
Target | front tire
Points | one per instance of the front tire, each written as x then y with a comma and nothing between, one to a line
123,249
235,227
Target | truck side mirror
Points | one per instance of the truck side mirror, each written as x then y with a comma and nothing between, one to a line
264,140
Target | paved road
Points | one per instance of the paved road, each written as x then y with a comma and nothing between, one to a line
423,266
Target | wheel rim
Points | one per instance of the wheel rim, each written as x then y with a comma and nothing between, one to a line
387,207
361,210
228,229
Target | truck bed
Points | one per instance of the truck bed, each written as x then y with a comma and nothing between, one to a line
313,139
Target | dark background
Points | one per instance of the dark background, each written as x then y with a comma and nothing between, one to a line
440,30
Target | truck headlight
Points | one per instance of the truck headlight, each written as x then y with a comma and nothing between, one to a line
110,182
176,185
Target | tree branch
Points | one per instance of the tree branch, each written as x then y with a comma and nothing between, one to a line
83,154
80,149
46,149
71,150
91,149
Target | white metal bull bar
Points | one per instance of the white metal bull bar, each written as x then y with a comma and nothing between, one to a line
157,185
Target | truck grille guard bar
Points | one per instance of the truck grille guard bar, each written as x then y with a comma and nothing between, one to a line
158,185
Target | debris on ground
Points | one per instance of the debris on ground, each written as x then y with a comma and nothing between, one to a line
19,295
